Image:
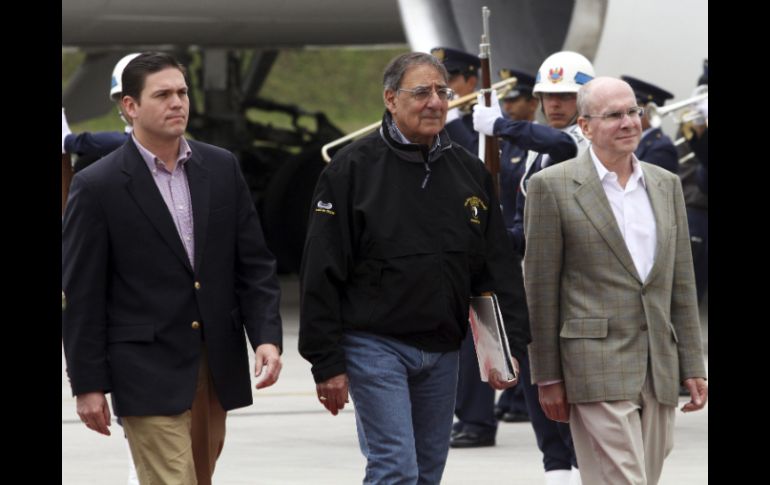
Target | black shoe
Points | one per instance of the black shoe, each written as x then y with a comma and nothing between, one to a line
468,439
457,428
499,412
514,417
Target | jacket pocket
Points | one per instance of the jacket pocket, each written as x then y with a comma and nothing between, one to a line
130,333
584,328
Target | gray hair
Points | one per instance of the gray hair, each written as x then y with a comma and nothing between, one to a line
394,72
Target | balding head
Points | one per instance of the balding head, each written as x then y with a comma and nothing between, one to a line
590,94
609,117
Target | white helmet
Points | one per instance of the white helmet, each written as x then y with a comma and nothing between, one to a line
116,85
563,72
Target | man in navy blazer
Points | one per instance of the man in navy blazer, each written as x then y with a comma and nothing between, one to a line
164,265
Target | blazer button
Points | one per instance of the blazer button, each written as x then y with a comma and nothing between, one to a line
644,327
196,325
197,285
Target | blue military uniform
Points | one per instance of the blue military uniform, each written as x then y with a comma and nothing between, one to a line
554,439
693,171
658,149
459,62
474,404
513,157
655,147
511,406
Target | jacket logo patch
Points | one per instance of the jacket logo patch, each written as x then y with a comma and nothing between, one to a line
325,207
474,204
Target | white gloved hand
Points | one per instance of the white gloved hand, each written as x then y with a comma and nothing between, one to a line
484,117
452,114
65,130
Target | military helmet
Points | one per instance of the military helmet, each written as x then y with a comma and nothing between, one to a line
563,72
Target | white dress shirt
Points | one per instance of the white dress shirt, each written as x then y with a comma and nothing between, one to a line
633,213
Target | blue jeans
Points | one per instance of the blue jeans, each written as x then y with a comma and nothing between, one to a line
404,400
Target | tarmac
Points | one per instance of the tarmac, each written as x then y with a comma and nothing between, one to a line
287,437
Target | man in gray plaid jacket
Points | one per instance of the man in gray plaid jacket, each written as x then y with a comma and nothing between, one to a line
611,294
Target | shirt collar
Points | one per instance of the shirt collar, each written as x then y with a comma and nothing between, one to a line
636,174
153,161
396,133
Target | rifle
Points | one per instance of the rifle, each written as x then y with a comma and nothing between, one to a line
488,147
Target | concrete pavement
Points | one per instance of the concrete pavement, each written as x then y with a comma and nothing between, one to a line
286,437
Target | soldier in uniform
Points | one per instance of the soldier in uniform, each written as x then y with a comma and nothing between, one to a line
518,104
476,424
655,147
91,146
693,171
463,69
558,80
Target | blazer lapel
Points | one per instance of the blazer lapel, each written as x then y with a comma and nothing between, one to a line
200,192
593,200
660,200
142,188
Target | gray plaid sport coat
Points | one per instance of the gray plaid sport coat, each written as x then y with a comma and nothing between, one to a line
595,323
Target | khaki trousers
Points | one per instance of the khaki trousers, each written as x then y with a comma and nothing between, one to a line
181,449
623,442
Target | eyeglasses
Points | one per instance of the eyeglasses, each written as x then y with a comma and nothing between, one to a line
632,113
422,93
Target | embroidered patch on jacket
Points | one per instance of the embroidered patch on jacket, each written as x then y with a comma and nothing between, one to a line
474,204
325,207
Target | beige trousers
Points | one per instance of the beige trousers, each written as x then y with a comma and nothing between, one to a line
622,442
181,449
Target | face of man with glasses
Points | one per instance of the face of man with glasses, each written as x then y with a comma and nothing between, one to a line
419,106
613,122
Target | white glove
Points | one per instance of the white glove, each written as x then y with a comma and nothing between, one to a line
452,114
65,130
484,117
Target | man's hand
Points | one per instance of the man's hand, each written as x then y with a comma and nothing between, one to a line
553,400
94,412
496,381
699,392
484,117
333,393
267,355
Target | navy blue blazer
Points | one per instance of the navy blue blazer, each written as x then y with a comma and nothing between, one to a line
133,297
658,149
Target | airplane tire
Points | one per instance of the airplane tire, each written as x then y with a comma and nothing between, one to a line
286,205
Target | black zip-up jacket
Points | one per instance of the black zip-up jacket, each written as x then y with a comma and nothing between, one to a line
399,239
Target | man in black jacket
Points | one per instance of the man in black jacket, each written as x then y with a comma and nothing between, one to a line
163,266
404,228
